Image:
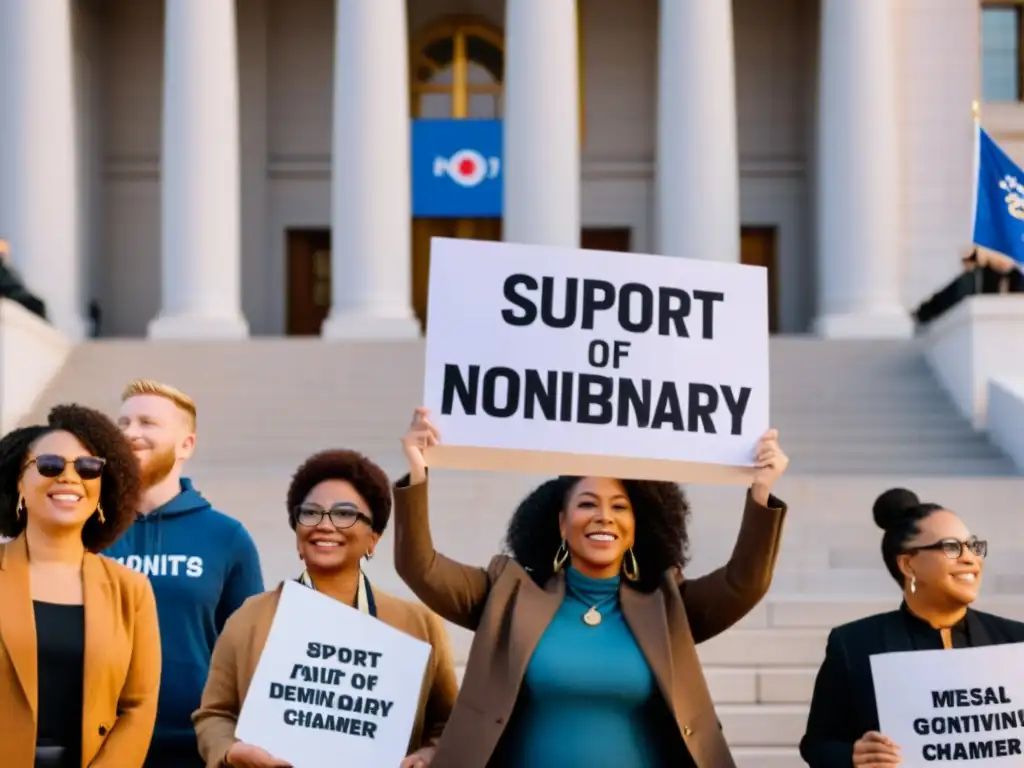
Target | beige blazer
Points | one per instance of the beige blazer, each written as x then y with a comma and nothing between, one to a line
122,663
240,646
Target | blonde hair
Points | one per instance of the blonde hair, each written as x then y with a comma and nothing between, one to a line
166,391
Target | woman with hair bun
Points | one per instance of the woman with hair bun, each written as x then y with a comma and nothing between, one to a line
938,564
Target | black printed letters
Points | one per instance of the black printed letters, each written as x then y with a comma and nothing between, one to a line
314,688
971,730
607,394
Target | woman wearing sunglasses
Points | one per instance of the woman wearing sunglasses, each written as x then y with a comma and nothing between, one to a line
938,565
339,504
79,639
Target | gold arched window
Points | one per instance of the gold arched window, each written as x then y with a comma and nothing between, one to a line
458,67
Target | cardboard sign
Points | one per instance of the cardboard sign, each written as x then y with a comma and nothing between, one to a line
333,685
556,360
963,706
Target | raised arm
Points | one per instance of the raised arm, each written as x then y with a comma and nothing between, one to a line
129,738
721,598
716,601
455,591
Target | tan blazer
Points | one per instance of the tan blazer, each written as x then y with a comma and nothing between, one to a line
122,662
509,612
241,643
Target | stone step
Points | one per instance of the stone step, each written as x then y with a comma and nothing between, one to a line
763,725
767,757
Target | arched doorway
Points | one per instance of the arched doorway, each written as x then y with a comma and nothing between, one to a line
458,68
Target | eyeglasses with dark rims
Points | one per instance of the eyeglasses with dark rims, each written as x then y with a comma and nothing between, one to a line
953,548
343,515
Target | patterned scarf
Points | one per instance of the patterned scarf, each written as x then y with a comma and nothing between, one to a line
364,595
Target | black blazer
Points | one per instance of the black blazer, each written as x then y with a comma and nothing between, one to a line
843,706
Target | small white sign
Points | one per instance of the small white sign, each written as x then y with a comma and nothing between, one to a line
557,360
333,681
963,706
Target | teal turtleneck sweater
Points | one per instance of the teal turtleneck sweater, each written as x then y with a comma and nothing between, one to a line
588,698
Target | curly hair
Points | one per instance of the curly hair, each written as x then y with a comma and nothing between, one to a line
119,484
660,509
370,481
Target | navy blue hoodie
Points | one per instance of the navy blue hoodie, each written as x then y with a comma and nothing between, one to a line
203,565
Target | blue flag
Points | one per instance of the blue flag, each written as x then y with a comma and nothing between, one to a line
998,200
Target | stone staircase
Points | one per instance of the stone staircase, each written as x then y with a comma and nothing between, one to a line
856,418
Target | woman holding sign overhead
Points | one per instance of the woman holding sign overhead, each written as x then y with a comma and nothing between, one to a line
584,652
938,564
339,504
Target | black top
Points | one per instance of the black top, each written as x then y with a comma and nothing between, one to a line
60,640
843,706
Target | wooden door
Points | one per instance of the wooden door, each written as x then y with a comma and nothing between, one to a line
758,248
606,239
309,280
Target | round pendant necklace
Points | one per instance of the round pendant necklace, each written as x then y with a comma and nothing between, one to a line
592,617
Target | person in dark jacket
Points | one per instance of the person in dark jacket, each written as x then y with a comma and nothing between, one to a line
202,564
938,564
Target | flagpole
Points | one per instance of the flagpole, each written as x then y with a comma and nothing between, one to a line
976,111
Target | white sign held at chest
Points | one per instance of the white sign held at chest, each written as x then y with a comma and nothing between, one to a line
543,359
333,685
964,707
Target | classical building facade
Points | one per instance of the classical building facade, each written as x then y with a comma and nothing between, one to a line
217,168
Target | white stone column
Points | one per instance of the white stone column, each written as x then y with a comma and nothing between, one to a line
859,235
200,174
542,123
371,196
697,167
39,163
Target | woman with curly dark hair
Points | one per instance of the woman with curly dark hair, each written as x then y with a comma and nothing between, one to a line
79,638
339,505
584,652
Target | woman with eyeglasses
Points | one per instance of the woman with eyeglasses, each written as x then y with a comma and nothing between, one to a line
79,638
339,505
938,565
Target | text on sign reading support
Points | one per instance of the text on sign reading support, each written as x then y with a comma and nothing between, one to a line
590,398
316,686
979,723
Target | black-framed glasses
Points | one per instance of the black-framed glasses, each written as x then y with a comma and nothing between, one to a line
50,465
954,548
341,515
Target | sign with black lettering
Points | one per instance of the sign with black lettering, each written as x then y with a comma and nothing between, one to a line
963,706
557,360
333,681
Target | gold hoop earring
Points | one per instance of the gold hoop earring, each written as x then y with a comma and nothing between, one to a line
21,510
561,555
99,514
630,567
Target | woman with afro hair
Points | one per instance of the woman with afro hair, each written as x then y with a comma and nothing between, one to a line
79,638
339,505
585,632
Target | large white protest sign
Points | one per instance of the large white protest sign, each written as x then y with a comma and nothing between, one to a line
333,686
557,360
964,706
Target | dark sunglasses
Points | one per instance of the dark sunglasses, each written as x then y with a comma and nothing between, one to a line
341,515
954,549
87,467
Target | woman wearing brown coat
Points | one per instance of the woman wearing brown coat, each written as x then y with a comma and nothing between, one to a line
339,504
79,637
585,634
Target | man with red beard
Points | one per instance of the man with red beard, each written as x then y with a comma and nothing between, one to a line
202,564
